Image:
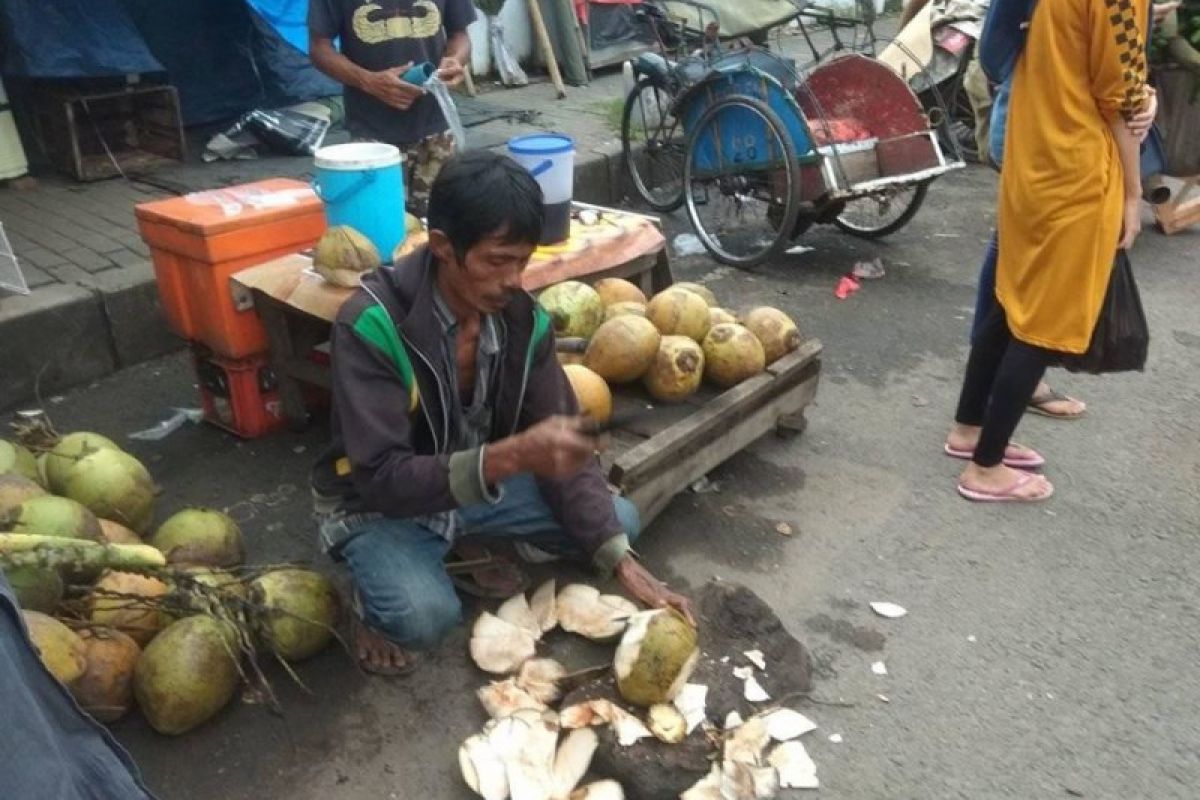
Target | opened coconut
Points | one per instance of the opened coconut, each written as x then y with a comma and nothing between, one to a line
114,485
128,602
343,254
201,536
37,588
731,354
625,309
55,516
67,453
721,316
15,490
575,308
187,674
105,690
593,394
622,349
301,611
700,289
775,329
678,312
15,459
60,648
656,657
618,290
116,533
676,371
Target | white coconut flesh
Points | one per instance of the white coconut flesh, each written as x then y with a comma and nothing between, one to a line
707,788
600,790
544,606
498,646
627,727
692,703
747,742
530,768
748,782
516,610
503,698
796,769
573,759
656,657
600,617
482,768
784,724
539,677
667,724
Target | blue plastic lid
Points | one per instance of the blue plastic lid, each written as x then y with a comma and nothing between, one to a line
541,144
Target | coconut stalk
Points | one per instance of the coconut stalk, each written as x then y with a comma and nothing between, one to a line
53,552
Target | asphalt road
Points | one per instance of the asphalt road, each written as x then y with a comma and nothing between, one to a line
1048,651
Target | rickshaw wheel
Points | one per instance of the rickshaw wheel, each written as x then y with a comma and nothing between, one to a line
770,194
875,217
647,118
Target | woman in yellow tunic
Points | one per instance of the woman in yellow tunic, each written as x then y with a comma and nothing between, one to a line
1069,199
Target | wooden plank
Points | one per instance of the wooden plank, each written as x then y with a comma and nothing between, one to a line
659,468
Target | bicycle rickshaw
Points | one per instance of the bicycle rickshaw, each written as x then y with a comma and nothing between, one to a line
759,150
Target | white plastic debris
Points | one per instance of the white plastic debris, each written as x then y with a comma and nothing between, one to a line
798,250
884,698
796,769
755,657
836,738
169,425
971,638
784,724
691,702
688,244
889,610
879,668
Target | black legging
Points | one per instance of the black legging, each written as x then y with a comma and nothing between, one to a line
1002,374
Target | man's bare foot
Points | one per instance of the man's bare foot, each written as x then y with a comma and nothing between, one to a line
1001,483
964,438
1051,403
379,655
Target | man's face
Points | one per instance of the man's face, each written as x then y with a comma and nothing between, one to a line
491,274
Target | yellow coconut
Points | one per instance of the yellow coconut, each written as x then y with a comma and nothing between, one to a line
60,648
731,354
700,289
105,690
343,254
656,657
116,533
566,359
622,349
676,371
775,329
678,312
720,316
593,394
574,307
623,309
618,290
124,600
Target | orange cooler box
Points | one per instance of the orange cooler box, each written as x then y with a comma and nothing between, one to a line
198,241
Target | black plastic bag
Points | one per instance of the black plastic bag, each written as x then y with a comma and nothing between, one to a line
1122,336
287,131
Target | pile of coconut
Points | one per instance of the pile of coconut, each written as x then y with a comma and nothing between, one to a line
174,621
532,748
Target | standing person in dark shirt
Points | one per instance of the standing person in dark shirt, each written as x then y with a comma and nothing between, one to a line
380,41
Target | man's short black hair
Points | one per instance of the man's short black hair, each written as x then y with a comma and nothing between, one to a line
480,194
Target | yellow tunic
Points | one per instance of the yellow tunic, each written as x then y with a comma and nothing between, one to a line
1061,189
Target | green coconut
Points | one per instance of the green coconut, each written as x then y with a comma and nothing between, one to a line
575,307
15,490
187,674
55,516
656,657
64,455
60,648
36,588
201,536
114,485
301,609
220,579
15,459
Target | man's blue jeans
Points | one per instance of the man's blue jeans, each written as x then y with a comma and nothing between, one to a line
398,570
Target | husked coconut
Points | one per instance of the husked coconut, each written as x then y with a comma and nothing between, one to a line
656,657
544,606
599,617
677,369
618,290
575,308
667,724
539,677
517,611
622,349
591,391
678,312
342,254
625,309
721,316
731,355
775,329
502,698
482,768
700,289
498,646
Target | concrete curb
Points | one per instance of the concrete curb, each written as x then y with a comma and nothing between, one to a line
66,335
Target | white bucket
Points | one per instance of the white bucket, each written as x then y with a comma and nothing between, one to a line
550,158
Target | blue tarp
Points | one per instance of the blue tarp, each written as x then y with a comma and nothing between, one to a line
288,17
72,39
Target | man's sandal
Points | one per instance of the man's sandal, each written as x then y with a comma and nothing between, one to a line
480,572
357,626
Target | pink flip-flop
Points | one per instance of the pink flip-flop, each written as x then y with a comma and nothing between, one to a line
1009,494
1030,460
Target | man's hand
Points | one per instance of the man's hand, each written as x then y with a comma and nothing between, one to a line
387,86
1141,122
450,71
556,447
650,591
1132,223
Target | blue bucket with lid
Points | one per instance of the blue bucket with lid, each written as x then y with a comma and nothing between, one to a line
550,158
362,185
